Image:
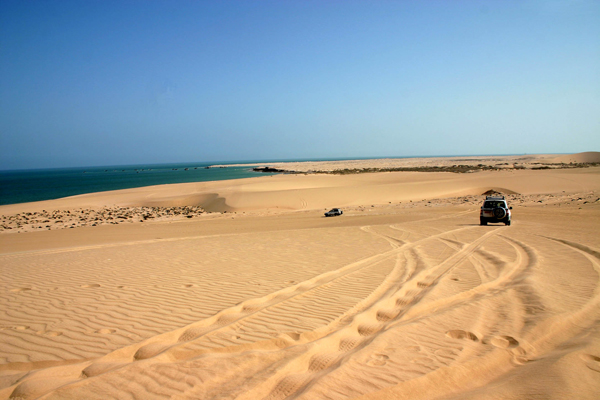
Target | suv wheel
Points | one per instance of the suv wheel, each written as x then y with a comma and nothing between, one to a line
482,221
500,213
507,222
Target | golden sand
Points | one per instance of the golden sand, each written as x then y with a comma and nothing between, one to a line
261,297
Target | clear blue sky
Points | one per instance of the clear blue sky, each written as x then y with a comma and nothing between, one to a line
127,82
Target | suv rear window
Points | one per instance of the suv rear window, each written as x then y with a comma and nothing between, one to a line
494,204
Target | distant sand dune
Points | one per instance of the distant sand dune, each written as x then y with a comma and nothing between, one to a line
586,157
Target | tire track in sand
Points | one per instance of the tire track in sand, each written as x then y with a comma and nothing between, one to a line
398,295
318,359
293,366
175,340
545,338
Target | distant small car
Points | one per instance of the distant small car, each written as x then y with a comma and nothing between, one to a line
333,212
495,209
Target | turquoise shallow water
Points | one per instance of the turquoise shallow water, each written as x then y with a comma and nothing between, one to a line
46,184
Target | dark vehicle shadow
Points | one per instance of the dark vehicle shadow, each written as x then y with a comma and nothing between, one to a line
489,224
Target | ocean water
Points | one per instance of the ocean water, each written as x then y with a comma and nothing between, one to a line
46,184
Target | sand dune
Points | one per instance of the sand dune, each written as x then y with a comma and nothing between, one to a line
523,161
301,192
404,296
585,157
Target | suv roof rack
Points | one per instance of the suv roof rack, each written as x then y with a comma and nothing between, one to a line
500,197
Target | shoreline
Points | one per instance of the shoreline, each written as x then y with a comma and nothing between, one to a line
466,164
456,168
328,165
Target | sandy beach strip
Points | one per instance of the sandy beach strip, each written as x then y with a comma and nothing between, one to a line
451,164
243,289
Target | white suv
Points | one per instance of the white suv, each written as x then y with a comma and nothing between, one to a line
333,212
495,209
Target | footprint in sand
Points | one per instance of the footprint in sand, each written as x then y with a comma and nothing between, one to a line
520,360
293,335
321,361
386,315
504,342
191,333
227,319
591,361
150,350
98,368
520,356
348,343
250,308
35,388
404,301
378,360
367,329
460,334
